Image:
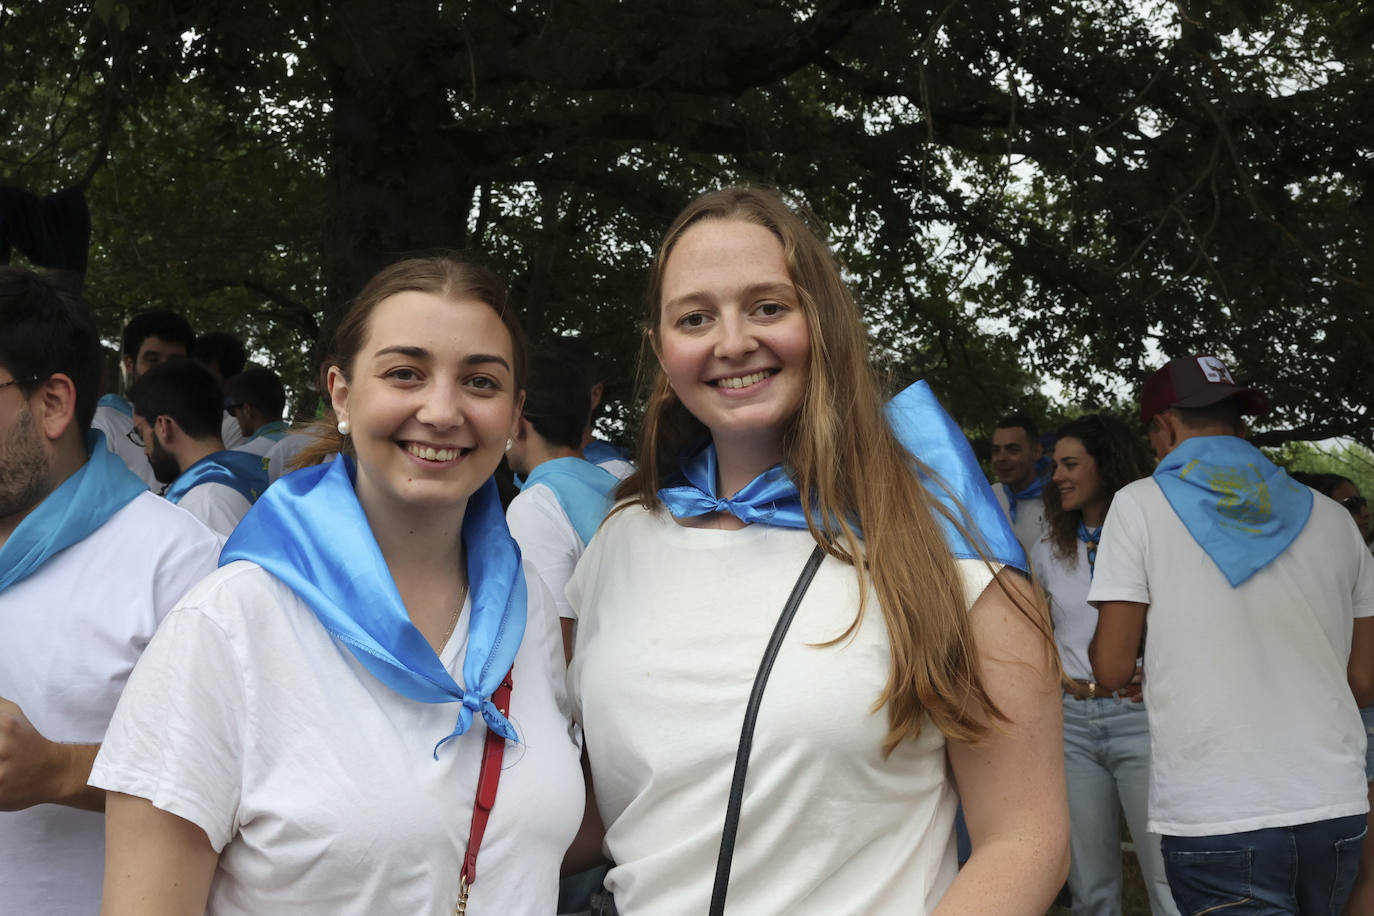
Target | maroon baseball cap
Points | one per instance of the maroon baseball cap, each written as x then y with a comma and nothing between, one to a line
1195,381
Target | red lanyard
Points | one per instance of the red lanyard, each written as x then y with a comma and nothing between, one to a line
488,777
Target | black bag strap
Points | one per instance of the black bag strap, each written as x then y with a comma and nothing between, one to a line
746,734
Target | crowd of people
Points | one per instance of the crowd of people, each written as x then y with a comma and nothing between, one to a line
770,659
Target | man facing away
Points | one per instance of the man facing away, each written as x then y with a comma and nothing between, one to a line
1258,599
90,562
150,338
1016,452
224,356
563,497
177,417
257,400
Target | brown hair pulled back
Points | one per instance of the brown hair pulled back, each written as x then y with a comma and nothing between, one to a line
447,276
1120,458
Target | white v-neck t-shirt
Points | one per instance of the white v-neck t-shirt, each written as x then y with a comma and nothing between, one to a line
316,783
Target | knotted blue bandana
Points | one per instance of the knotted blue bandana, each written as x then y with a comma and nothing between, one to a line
1239,507
115,402
925,430
582,489
274,431
1033,491
309,531
1092,537
80,504
238,470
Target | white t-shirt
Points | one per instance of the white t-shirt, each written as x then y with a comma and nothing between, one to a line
116,425
69,636
229,431
315,782
259,446
1029,525
1252,723
218,506
547,539
617,466
672,624
1075,620
283,450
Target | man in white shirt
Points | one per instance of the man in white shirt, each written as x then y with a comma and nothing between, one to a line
1016,453
257,400
224,355
563,497
150,338
90,562
1259,599
176,416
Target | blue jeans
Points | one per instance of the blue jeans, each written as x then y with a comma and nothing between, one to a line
1305,869
1107,765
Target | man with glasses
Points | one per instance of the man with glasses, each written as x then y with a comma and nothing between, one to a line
90,562
150,338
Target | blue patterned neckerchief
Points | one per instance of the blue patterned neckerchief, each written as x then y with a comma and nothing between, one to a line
240,471
583,491
1240,508
1092,537
115,402
77,507
310,532
274,431
1033,491
925,430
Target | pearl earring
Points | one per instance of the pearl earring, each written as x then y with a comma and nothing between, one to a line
343,428
510,444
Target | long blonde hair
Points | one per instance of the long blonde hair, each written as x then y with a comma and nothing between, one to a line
845,460
445,275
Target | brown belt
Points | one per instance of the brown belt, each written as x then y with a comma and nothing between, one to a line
1083,690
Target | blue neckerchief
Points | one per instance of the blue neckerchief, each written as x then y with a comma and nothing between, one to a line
274,431
1033,491
239,470
80,504
1239,507
309,531
1092,537
117,403
599,450
582,488
925,430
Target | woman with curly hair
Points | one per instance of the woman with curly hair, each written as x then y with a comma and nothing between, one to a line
1106,736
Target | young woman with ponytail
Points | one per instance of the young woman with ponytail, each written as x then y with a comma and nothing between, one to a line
911,664
305,732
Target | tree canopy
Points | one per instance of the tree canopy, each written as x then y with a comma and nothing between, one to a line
1019,191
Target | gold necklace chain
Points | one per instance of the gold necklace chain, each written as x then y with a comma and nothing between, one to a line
453,622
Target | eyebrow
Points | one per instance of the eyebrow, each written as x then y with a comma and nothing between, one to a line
422,353
749,292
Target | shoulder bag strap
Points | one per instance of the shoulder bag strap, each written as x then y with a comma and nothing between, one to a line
488,778
746,735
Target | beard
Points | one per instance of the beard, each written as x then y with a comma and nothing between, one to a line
165,467
24,471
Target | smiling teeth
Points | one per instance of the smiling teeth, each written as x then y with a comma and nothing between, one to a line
432,454
742,381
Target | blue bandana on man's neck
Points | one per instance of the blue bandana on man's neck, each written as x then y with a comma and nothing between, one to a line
926,431
310,532
80,504
1037,487
241,471
274,431
115,402
599,451
1240,508
582,489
